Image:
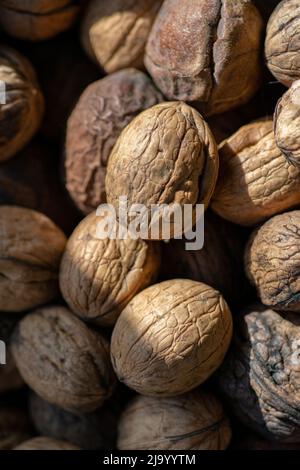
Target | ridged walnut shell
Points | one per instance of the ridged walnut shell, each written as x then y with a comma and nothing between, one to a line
195,421
45,443
206,51
14,427
261,375
102,112
98,277
282,46
255,180
171,338
166,155
62,360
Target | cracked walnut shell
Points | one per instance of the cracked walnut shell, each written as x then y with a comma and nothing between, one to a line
171,337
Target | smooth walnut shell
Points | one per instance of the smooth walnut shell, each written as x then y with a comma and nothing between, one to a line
287,124
30,251
272,261
9,375
35,20
14,427
195,421
45,443
102,112
261,375
282,46
62,360
166,155
21,115
255,180
206,51
115,32
171,337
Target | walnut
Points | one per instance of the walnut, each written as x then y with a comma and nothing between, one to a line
287,122
255,180
282,44
9,376
194,421
166,155
30,251
272,261
22,112
99,277
114,33
171,337
14,427
62,360
45,443
36,20
261,375
206,51
103,111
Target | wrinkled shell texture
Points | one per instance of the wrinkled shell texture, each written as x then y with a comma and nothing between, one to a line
62,360
21,115
115,32
282,44
171,338
261,375
45,443
99,277
195,421
272,261
166,155
206,51
255,181
14,427
287,124
103,111
37,20
31,246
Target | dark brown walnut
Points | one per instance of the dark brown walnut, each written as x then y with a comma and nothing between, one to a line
287,122
195,421
45,443
31,246
102,112
98,277
255,180
272,261
22,112
282,44
62,360
206,51
14,427
261,375
166,155
35,20
9,376
115,32
171,337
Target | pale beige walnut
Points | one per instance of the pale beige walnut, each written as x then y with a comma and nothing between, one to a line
45,443
287,124
194,421
21,113
272,261
98,277
282,46
255,181
171,337
115,32
31,246
166,155
14,427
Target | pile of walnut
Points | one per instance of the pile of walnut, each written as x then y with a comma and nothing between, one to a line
138,343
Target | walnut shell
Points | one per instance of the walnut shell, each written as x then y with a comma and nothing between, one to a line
45,443
63,360
255,180
282,44
195,421
21,115
14,427
102,112
261,375
171,337
30,251
206,51
115,32
272,261
166,155
287,122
